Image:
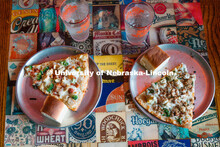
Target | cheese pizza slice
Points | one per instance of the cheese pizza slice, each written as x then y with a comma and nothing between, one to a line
64,79
171,99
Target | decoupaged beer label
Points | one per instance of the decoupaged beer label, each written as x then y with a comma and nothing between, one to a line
19,131
86,46
22,46
14,68
144,143
47,20
192,36
163,35
109,65
205,142
24,21
111,127
50,3
174,143
82,132
46,40
107,42
168,131
164,14
112,98
139,126
129,49
106,17
24,4
206,126
188,14
50,135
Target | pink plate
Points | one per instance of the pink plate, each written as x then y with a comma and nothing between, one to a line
204,86
31,100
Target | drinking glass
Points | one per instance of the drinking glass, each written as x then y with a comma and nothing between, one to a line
138,17
75,15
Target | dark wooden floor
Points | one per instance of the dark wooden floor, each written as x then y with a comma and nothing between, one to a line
211,17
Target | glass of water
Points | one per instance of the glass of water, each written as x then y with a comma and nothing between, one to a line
138,17
75,15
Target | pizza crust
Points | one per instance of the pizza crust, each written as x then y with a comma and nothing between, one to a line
83,80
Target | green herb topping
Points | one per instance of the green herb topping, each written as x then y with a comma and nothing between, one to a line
166,111
167,78
39,76
75,97
151,90
64,63
45,69
179,120
78,68
50,87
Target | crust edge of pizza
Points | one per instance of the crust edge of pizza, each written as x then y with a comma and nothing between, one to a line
85,84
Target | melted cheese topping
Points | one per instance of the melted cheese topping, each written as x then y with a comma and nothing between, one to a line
67,88
172,98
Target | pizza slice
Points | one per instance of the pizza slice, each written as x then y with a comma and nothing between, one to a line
64,79
171,99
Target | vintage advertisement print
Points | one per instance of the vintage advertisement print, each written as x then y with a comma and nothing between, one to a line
145,143
22,46
24,4
50,135
167,131
174,143
188,14
139,126
85,46
205,142
206,126
46,40
47,20
49,3
112,98
82,132
24,21
106,17
19,131
192,36
164,15
111,127
108,64
14,67
107,42
163,35
129,49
